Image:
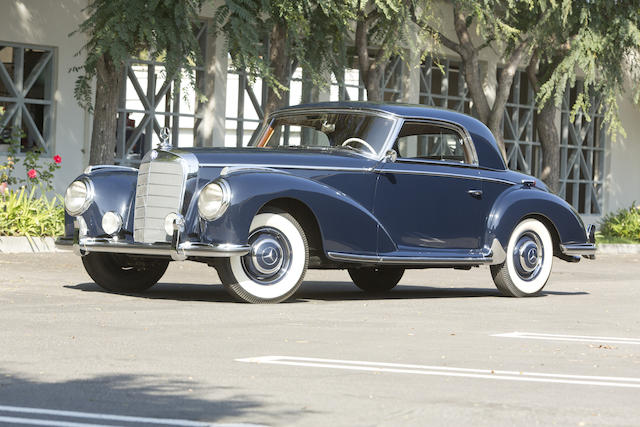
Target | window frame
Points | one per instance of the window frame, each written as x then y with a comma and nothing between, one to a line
468,145
44,140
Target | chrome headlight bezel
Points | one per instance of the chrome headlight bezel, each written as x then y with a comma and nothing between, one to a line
206,212
88,198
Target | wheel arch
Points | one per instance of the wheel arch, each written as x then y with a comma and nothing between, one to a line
305,217
513,206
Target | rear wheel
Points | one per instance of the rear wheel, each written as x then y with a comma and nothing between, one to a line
274,268
121,273
527,267
376,279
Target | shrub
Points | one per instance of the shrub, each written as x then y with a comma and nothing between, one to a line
623,224
23,214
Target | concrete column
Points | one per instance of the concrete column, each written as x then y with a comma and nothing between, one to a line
212,129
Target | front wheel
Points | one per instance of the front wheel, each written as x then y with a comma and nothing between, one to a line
376,279
121,273
274,268
529,259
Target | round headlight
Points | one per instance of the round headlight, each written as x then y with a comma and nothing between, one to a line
111,222
78,197
214,199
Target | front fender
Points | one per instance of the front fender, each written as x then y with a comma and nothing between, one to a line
517,203
114,190
345,225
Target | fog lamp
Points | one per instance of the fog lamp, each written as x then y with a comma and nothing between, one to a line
111,223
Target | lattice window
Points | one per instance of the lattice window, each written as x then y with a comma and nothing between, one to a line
518,126
582,153
26,93
149,101
445,90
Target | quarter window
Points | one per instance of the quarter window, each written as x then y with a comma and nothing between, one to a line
425,141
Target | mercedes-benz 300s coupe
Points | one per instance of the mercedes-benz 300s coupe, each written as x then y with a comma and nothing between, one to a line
374,189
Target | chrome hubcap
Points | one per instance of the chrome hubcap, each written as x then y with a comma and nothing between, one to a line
270,256
528,255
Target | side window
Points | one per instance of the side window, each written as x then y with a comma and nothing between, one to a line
431,142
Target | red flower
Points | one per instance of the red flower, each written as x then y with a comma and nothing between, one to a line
32,173
57,159
3,187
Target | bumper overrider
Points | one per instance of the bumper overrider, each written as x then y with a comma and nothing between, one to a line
587,250
176,250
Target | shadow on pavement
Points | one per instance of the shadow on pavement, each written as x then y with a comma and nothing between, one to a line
130,395
310,290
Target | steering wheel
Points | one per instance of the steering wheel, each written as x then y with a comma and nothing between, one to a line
361,142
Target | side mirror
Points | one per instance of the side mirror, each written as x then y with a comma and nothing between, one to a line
390,156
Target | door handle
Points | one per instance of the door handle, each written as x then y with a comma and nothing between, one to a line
475,193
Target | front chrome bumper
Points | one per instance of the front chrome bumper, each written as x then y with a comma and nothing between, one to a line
178,252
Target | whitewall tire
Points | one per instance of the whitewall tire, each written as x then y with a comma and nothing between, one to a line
527,267
275,267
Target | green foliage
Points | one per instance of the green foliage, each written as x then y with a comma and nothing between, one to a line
598,42
24,214
122,29
623,224
316,32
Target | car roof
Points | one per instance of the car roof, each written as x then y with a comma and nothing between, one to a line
489,154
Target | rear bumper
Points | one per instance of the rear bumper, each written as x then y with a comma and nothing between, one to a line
178,252
587,249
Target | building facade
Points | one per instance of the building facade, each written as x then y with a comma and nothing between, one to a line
598,174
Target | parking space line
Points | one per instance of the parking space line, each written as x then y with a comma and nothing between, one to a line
38,422
398,368
95,416
577,338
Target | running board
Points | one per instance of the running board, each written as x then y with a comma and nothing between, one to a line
406,260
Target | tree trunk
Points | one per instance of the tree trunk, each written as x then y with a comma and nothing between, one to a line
279,63
105,112
550,144
371,71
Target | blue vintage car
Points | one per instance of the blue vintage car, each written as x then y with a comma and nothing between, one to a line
371,188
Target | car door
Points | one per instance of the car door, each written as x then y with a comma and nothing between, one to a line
431,196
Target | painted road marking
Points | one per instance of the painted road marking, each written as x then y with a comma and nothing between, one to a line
97,416
357,365
37,422
578,338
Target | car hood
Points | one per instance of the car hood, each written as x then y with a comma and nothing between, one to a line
278,158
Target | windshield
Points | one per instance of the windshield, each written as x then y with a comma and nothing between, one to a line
361,133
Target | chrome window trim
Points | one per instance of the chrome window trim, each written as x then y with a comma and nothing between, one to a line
365,112
462,132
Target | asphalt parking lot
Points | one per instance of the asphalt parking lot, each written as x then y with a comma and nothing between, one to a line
442,349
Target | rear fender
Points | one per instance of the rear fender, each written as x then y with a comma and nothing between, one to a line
517,203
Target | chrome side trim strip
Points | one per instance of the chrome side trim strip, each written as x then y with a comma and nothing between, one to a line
446,174
397,260
578,249
92,168
182,251
266,167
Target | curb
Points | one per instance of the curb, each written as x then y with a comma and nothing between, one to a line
22,244
618,248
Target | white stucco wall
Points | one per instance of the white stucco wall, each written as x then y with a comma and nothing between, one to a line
48,23
622,181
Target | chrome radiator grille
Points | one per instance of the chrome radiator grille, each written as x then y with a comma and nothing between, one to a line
159,192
